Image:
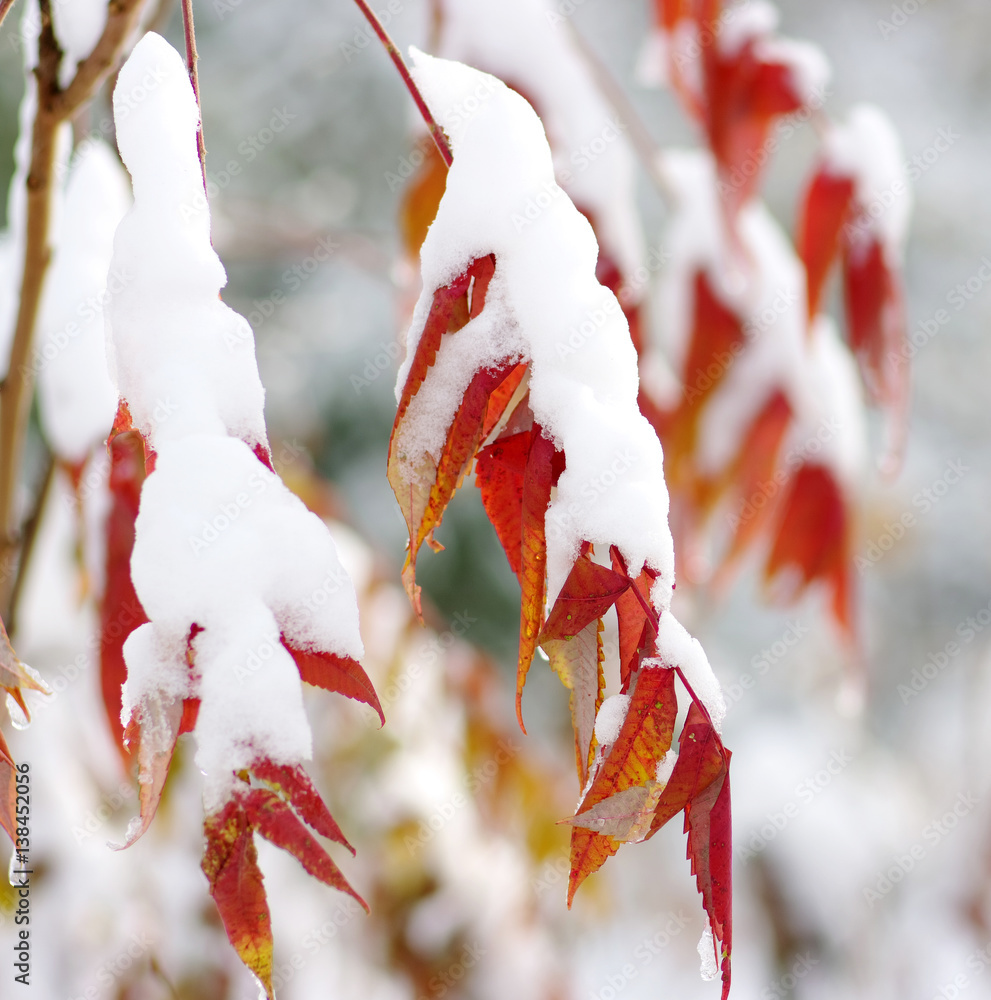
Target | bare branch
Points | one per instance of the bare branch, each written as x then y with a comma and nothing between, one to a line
194,78
436,133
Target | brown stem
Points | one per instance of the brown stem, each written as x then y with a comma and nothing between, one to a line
192,57
640,138
440,140
54,107
30,535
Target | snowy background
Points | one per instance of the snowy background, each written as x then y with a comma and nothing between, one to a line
863,840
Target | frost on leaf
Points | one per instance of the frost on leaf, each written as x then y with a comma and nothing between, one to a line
520,361
236,589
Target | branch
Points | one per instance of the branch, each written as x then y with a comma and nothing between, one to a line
640,137
194,78
122,19
440,140
55,106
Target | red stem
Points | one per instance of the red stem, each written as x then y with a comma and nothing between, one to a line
440,140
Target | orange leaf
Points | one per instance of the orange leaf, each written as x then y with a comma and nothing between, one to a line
644,739
578,662
277,823
335,673
151,735
421,198
423,484
537,484
13,676
230,863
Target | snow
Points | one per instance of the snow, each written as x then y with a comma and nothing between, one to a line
867,148
544,305
665,767
525,43
707,954
78,26
675,647
188,364
220,542
77,400
609,719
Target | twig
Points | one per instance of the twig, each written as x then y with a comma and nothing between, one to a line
194,78
30,535
436,132
54,107
640,138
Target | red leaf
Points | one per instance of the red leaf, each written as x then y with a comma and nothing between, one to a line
294,784
230,863
499,472
151,736
699,784
424,490
824,210
814,538
631,761
277,823
120,609
635,628
876,320
588,593
537,484
335,673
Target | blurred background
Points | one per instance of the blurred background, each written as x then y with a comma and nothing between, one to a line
863,837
